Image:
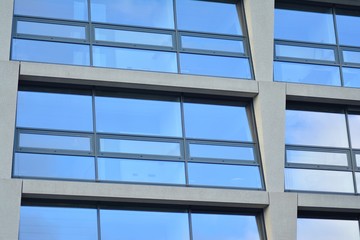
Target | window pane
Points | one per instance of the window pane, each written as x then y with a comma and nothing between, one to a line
301,52
212,44
52,142
351,77
357,177
348,29
357,160
318,158
316,128
210,65
139,147
305,26
203,16
144,13
138,116
134,59
61,9
224,227
221,152
306,73
351,56
50,30
327,229
128,170
354,123
54,111
133,37
224,175
319,180
54,166
50,52
121,224
221,122
44,223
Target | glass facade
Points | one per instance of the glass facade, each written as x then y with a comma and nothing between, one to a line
321,150
316,45
129,137
174,36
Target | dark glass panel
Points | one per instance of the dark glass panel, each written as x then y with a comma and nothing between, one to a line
130,170
139,225
44,223
50,52
224,175
54,166
316,129
54,111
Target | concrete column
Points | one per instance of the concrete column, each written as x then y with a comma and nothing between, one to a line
9,73
270,120
260,21
10,198
6,16
281,216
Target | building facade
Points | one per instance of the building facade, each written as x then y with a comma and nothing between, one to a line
196,120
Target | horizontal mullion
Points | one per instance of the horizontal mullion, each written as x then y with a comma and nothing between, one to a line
139,137
305,44
213,53
55,152
307,61
221,142
49,131
51,20
140,156
317,148
223,161
51,39
318,167
132,28
211,35
133,46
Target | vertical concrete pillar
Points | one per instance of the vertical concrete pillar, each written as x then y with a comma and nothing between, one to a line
9,74
6,15
281,216
260,21
269,108
10,198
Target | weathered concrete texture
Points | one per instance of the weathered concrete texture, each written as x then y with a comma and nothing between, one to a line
270,120
9,73
6,16
10,198
260,21
281,216
137,79
328,202
144,193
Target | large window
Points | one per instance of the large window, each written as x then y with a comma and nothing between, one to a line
317,45
322,149
176,36
127,137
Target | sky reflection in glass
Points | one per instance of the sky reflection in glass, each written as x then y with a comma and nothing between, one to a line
348,28
354,123
351,77
301,52
318,158
212,44
351,56
221,152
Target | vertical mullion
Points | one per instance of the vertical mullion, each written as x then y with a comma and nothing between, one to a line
98,222
352,154
190,224
95,142
338,50
90,33
177,37
185,146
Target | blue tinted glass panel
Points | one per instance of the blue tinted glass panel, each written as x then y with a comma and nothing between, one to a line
221,152
138,116
306,73
224,175
134,59
222,122
44,223
305,26
318,158
354,125
212,44
357,177
50,30
348,29
351,56
54,111
129,170
300,52
144,13
27,140
54,166
121,224
351,77
319,180
327,229
204,16
224,227
139,147
219,66
61,9
50,52
316,129
133,37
